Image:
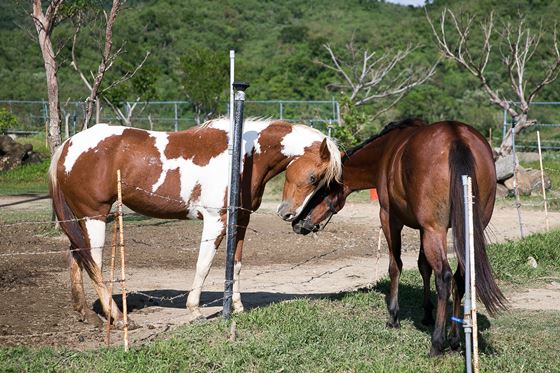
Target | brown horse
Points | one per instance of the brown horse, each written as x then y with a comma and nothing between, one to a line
417,170
181,175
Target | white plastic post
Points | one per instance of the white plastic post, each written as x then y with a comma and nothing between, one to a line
472,278
231,93
467,324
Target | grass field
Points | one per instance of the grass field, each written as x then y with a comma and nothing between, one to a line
339,333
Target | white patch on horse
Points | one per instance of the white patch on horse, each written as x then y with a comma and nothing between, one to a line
213,177
161,141
295,142
96,234
252,129
88,139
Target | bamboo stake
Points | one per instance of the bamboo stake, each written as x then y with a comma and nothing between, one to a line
121,244
473,279
111,279
378,252
542,182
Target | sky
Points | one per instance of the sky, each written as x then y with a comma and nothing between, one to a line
407,2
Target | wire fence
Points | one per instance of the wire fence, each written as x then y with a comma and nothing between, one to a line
167,115
547,117
131,228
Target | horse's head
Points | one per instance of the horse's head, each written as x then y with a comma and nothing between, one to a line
329,200
319,165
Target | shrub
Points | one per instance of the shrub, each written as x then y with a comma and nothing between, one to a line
7,120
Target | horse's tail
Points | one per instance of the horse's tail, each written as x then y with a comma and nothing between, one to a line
79,247
461,162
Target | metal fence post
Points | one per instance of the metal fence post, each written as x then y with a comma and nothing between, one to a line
467,325
176,118
234,194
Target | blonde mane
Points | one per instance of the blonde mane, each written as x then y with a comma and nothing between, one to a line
334,169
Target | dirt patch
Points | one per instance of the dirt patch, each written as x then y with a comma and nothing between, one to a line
161,256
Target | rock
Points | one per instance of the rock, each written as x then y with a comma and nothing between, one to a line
13,154
528,181
504,167
523,189
532,262
534,179
501,190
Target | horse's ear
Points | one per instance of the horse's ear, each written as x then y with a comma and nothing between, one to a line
324,151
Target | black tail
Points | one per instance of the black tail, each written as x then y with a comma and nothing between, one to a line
79,247
461,162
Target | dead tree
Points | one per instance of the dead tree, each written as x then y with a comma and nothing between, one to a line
369,76
44,24
517,45
108,58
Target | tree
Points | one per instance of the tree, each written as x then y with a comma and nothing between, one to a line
367,77
45,23
205,77
108,58
517,44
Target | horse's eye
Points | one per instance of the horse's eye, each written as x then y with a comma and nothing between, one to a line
312,179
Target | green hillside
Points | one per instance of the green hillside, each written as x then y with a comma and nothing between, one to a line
277,44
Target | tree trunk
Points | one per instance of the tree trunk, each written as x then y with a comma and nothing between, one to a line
520,123
43,30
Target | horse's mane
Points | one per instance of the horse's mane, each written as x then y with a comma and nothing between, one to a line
405,123
334,170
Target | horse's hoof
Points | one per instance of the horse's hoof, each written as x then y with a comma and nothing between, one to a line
393,325
119,324
90,317
238,309
435,351
454,342
195,315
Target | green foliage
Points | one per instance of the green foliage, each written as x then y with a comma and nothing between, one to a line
278,46
31,178
205,78
509,260
7,120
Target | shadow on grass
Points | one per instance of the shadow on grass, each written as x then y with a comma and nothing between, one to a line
410,297
171,298
410,308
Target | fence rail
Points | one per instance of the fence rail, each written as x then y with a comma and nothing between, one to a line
167,115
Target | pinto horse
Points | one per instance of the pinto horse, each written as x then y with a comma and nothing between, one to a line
417,170
179,175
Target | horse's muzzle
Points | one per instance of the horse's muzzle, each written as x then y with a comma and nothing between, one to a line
304,226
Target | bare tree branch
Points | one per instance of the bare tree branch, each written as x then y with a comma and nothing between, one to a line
128,75
106,61
519,43
367,76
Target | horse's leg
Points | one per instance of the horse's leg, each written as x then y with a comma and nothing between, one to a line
95,230
212,234
78,295
426,272
434,243
243,221
392,230
458,292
